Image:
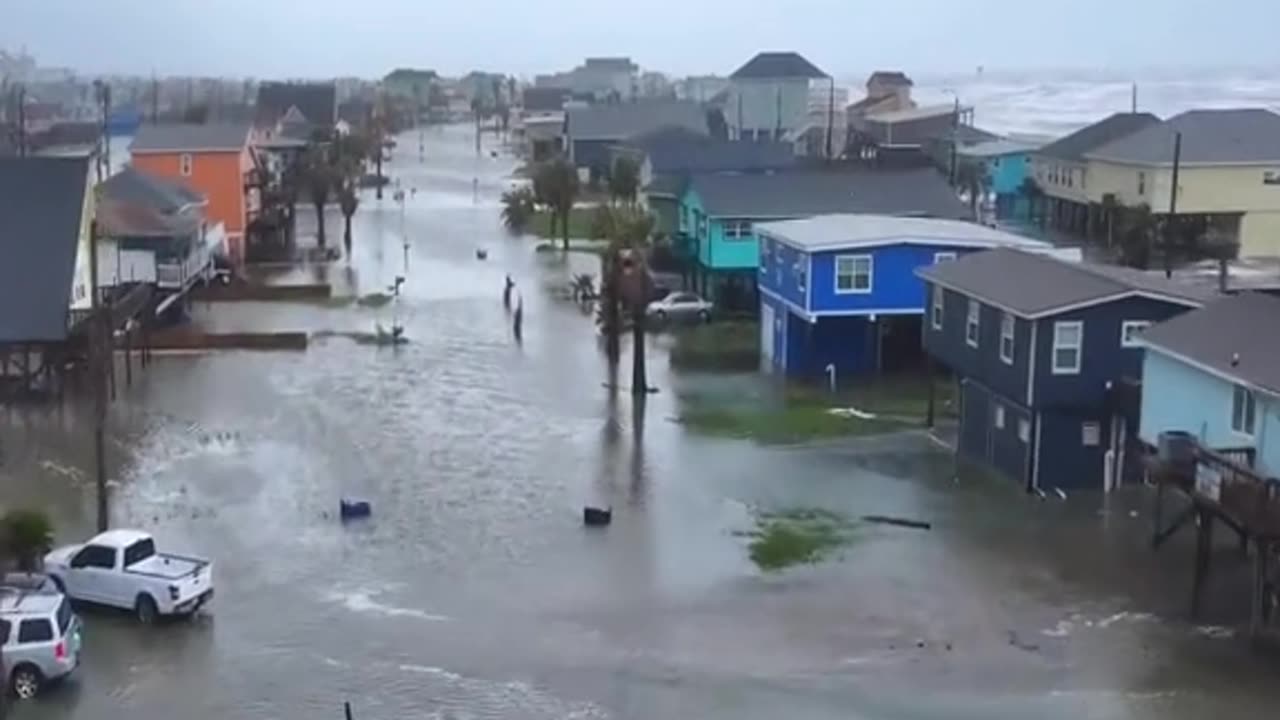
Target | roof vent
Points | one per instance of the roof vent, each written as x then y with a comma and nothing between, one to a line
1235,359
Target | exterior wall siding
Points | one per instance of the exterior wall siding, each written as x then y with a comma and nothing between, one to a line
894,284
1102,357
1048,168
982,363
219,177
1008,172
784,272
998,447
731,253
1065,461
1178,396
1260,234
766,104
1202,189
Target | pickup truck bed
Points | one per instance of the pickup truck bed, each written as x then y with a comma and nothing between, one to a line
169,567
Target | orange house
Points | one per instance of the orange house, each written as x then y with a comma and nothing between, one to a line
213,160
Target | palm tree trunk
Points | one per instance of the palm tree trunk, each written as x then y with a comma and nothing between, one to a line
639,381
320,225
378,165
564,228
346,233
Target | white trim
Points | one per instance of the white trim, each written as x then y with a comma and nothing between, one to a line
866,311
808,273
1185,302
1035,456
973,318
937,306
855,245
1078,347
853,276
790,305
997,415
1138,325
1032,352
1012,322
1231,411
943,257
186,164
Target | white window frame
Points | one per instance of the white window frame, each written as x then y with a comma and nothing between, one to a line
943,256
766,249
1248,426
1024,430
185,164
973,321
998,420
938,307
1007,330
1057,369
1142,183
853,274
1090,433
1128,328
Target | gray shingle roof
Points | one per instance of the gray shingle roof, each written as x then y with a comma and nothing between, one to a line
545,99
1032,285
1228,337
189,137
41,201
622,121
769,65
802,193
1209,137
318,102
1087,139
137,187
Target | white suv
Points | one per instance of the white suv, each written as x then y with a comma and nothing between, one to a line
40,636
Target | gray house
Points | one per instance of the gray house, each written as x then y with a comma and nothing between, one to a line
592,130
769,96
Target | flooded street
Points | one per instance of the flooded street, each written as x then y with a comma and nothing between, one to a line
474,592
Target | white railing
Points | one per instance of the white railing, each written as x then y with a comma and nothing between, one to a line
180,275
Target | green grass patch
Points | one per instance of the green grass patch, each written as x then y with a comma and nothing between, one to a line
579,224
797,537
720,345
901,396
575,245
791,424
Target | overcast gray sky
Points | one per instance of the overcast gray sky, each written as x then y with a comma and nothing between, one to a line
322,38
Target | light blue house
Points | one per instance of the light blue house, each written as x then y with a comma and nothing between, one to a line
839,293
718,214
1007,164
1215,373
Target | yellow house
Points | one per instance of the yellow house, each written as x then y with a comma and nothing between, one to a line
1063,174
1228,173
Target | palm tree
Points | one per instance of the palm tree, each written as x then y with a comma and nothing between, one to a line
518,207
348,200
1137,236
1030,190
624,179
628,231
318,178
26,535
541,175
974,179
562,192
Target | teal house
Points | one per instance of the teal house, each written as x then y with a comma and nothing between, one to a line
1007,164
718,212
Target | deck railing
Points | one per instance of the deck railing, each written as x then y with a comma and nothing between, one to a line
1226,479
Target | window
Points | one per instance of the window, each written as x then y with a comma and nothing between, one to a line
853,273
1271,177
184,164
144,549
937,307
1244,410
1130,331
943,257
766,249
95,556
971,324
998,420
1024,430
1006,338
1068,336
1142,183
798,270
32,631
64,616
4,631
1090,434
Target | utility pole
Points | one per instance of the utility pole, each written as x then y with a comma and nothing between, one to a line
155,99
22,121
955,139
99,356
1173,206
831,116
1133,99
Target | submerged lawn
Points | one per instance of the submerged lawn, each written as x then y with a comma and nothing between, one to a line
797,537
579,224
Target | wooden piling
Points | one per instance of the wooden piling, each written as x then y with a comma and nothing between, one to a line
1204,550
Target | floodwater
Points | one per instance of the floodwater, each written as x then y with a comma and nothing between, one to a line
474,592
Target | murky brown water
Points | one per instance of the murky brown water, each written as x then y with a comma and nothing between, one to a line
473,592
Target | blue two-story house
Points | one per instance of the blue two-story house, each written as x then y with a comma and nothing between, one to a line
1215,373
1048,358
838,293
718,213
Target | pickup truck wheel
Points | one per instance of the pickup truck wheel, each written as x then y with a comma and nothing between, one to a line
25,682
145,608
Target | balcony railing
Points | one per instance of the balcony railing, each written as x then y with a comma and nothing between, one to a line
1225,479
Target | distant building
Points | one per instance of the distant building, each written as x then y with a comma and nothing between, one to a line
591,130
1228,174
541,120
655,85
296,110
701,88
599,79
769,97
1007,166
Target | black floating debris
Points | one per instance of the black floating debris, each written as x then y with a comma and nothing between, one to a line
481,254
354,509
596,517
900,522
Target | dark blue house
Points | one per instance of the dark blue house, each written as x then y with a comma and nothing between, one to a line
1048,359
839,293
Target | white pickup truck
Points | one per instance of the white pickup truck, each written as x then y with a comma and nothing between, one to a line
121,568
